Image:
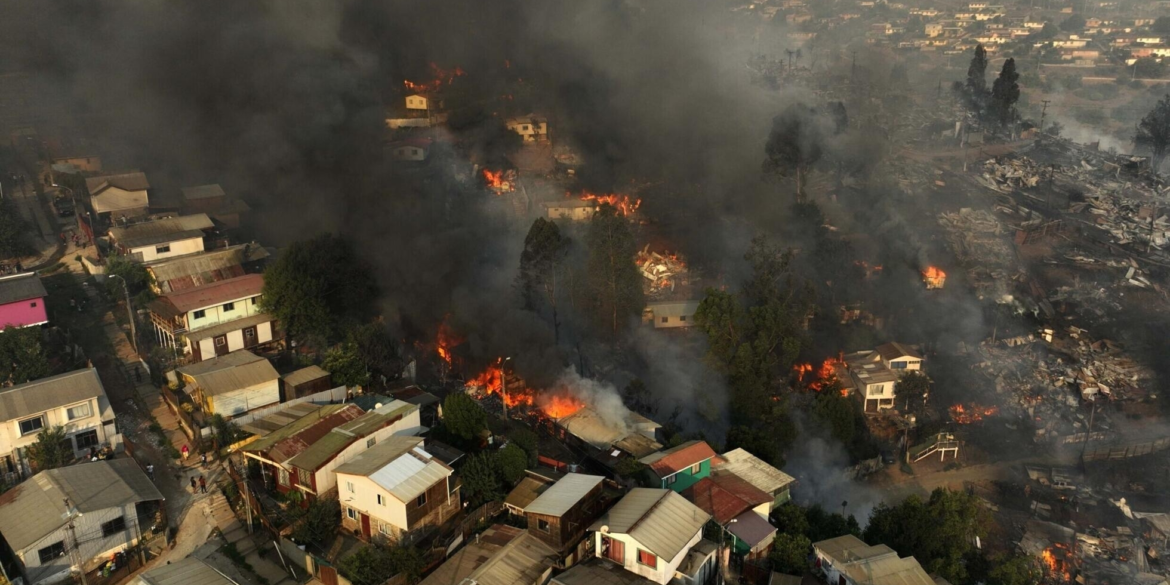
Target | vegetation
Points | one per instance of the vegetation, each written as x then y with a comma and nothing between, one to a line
463,417
317,523
939,531
22,356
53,449
1154,132
13,231
319,288
614,279
373,565
541,265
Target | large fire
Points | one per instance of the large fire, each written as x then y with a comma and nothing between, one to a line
439,78
934,277
499,181
559,406
971,413
623,203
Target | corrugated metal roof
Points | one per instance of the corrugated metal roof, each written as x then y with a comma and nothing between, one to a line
232,289
673,460
169,229
35,508
187,571
227,373
755,471
400,466
523,561
564,494
53,392
21,287
660,520
203,192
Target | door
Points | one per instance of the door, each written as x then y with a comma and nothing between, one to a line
366,525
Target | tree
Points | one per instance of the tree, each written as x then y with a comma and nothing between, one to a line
317,523
541,261
614,279
976,86
318,288
481,483
1074,23
1154,132
463,417
1013,570
344,363
511,461
794,144
13,231
527,440
22,357
1005,92
790,553
912,390
53,449
939,532
373,565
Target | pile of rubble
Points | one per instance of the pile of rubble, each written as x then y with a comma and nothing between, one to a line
663,272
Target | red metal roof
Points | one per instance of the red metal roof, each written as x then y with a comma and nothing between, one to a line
248,285
725,496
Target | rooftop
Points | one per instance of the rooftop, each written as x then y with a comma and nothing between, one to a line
38,396
227,373
564,494
671,461
34,509
659,519
159,231
399,465
21,287
216,293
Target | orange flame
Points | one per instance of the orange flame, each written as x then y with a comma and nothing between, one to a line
971,413
934,277
623,203
561,405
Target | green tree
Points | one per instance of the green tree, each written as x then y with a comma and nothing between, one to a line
481,482
319,288
317,523
912,391
527,440
511,461
545,250
22,357
53,449
795,143
790,553
374,564
13,231
463,417
1005,92
976,87
1154,132
939,532
346,366
614,279
1013,570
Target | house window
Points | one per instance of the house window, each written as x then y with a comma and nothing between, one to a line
695,468
162,249
351,513
664,319
421,500
79,411
114,526
221,341
229,306
86,439
543,525
282,477
898,365
371,442
349,486
648,559
305,477
29,426
51,552
199,314
381,500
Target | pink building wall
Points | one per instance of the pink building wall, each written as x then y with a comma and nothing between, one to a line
23,313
